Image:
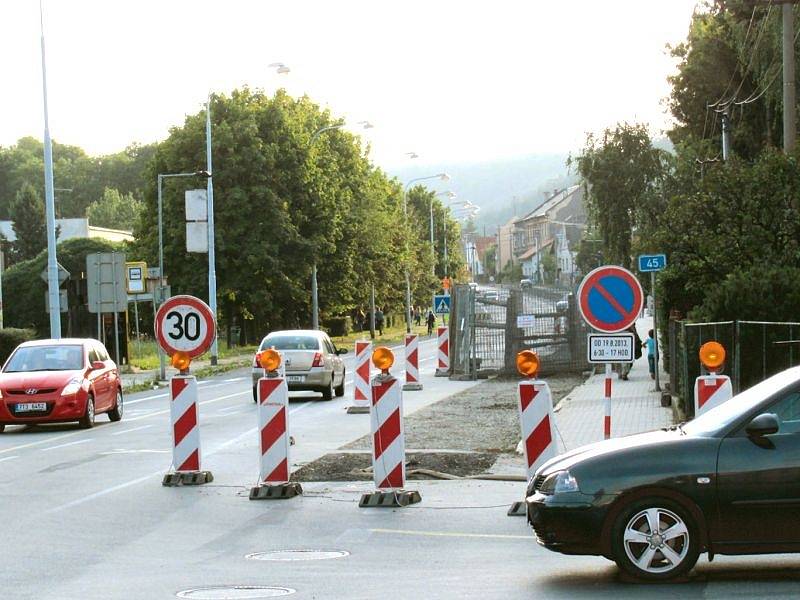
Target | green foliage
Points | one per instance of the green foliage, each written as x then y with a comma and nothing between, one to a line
549,267
27,212
757,293
24,290
114,210
10,338
620,171
338,326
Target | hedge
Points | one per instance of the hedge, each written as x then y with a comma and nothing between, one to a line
10,338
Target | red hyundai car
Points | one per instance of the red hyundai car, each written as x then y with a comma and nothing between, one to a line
55,381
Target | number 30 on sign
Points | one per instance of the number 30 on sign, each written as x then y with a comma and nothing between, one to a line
185,324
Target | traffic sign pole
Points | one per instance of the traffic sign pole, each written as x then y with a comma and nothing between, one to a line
607,404
655,327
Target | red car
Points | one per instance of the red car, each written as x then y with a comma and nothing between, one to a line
54,381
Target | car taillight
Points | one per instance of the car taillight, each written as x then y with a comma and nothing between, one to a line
255,362
318,362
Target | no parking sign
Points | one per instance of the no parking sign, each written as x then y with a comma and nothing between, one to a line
610,299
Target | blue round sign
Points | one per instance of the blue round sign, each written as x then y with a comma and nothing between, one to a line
610,299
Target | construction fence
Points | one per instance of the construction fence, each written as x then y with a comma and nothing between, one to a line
489,327
754,350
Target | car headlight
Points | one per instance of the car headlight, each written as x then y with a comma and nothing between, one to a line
558,483
73,387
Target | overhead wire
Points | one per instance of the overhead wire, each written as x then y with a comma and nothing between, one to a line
733,75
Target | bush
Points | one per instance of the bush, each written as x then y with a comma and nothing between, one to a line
339,326
10,338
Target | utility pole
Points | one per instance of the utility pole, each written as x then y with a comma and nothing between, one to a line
726,133
789,119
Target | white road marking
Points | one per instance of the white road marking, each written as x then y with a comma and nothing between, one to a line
45,441
129,402
142,451
8,458
234,379
498,536
83,441
131,429
202,403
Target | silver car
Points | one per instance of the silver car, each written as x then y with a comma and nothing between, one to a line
311,360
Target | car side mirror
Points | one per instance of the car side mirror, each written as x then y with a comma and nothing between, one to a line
764,424
341,351
98,365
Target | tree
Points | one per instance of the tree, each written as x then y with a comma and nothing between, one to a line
30,228
114,210
620,171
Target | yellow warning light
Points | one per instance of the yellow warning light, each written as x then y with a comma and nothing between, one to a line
383,358
712,355
528,363
181,361
270,360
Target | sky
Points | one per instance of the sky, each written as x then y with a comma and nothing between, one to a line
449,80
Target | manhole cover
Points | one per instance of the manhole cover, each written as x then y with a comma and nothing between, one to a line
287,555
235,592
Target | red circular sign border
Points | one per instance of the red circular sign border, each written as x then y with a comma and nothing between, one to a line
596,274
205,312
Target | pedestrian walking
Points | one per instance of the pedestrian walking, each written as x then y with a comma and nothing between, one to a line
625,368
650,342
361,319
417,316
379,321
430,321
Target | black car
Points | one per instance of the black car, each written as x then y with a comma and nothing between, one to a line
727,482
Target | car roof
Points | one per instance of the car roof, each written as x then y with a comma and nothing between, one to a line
59,342
309,332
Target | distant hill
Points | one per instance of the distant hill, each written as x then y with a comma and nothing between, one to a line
501,188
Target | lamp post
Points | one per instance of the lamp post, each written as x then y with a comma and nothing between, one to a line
314,288
160,179
443,177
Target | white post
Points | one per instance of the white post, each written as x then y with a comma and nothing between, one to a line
212,269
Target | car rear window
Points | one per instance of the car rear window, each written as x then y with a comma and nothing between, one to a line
291,342
46,358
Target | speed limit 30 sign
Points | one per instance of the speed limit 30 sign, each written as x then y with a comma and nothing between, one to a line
185,324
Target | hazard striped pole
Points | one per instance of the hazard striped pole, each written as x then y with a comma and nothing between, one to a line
537,423
710,391
388,438
273,428
607,404
185,434
443,337
412,363
361,386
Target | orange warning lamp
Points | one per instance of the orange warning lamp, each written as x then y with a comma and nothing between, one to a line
270,360
383,358
528,363
712,355
181,361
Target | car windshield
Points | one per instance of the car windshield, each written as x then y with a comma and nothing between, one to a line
45,358
291,342
726,413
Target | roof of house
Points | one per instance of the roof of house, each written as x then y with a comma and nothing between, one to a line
532,250
551,203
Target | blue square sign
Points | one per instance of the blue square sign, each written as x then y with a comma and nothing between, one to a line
441,304
652,262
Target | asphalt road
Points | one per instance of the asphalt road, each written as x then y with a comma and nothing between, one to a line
85,517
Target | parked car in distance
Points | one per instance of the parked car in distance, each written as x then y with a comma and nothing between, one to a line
725,483
525,283
311,360
56,381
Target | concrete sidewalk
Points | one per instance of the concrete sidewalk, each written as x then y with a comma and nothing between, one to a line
635,404
150,376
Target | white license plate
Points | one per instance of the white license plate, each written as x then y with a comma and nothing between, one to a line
295,378
31,406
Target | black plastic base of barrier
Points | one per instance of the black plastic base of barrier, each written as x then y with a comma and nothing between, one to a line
187,478
518,509
442,373
412,387
281,491
389,499
358,410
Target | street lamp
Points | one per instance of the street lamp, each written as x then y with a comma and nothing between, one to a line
314,290
161,178
443,177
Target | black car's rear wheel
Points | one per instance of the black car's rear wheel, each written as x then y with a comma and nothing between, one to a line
655,539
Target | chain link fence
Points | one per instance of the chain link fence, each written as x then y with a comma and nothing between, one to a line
754,350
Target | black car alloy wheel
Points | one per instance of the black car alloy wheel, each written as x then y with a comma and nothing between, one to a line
655,539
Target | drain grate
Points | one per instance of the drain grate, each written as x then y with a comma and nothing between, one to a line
292,555
235,592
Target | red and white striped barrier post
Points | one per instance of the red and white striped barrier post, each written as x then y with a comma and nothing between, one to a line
443,343
361,387
607,404
273,428
536,420
412,363
185,434
388,439
711,390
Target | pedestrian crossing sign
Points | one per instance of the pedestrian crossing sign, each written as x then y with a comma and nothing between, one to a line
441,305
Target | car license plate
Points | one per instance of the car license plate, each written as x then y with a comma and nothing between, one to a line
31,407
294,378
